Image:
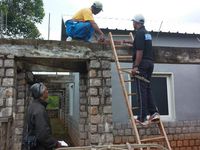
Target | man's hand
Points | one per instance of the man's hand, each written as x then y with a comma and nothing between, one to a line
101,38
134,71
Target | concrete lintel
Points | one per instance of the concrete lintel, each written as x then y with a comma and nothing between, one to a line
52,49
83,51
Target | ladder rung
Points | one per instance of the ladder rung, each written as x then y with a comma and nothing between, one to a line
126,71
121,35
119,46
129,80
125,57
156,121
129,94
125,68
117,42
122,46
153,138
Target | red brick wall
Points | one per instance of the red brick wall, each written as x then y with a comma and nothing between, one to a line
183,135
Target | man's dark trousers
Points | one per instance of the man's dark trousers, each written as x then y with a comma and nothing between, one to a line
144,93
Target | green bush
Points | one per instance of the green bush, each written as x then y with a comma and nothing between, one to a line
53,102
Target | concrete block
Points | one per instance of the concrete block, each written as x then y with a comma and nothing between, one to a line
1,62
94,101
9,63
2,70
92,73
9,92
93,91
107,109
20,102
10,72
95,119
106,64
93,128
101,128
95,82
18,131
21,95
108,82
94,64
19,116
1,102
9,101
93,110
106,73
8,82
6,112
83,114
20,109
117,140
109,138
95,138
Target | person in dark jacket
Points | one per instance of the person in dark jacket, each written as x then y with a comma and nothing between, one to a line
143,63
38,120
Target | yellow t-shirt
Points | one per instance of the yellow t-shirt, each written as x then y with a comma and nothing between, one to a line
84,14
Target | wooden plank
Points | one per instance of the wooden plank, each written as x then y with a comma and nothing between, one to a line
115,146
153,139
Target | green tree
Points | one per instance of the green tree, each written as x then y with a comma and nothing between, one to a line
22,16
53,102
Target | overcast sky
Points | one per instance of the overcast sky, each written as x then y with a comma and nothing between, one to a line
176,15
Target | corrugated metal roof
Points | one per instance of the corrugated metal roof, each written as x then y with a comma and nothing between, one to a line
154,26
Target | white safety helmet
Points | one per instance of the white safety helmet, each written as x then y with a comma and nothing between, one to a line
139,18
98,5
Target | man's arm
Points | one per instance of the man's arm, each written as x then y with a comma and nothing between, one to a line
138,59
139,54
97,29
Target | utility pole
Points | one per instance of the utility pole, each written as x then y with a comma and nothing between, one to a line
49,26
1,20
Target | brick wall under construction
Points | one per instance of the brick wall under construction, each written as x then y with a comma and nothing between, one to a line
95,125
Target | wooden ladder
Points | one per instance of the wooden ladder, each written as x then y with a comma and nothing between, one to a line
121,72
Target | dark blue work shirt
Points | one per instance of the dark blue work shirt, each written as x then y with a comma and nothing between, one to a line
143,41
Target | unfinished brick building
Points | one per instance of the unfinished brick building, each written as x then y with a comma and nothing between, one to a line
91,120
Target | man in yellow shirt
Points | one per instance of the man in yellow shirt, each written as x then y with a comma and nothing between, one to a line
82,25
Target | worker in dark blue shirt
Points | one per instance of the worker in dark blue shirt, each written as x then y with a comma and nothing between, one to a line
143,63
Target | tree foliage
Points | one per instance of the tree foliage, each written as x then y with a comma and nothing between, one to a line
22,16
53,102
